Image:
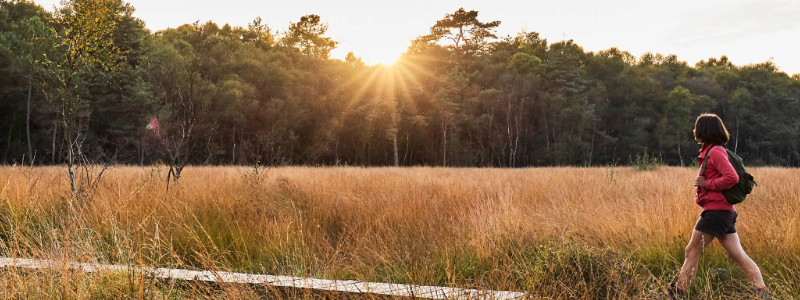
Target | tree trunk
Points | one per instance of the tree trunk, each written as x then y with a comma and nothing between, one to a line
394,145
546,130
70,169
8,143
444,146
510,134
233,153
679,152
517,130
178,171
53,153
336,148
488,151
141,153
591,146
408,144
28,125
60,152
169,175
736,144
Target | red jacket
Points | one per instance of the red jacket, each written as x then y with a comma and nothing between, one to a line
720,175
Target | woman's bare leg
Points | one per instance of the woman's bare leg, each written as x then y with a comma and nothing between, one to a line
692,257
733,246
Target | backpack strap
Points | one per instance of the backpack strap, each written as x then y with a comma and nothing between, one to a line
705,160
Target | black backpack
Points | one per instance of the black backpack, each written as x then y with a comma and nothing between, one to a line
740,190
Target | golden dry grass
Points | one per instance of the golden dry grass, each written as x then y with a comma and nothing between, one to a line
588,233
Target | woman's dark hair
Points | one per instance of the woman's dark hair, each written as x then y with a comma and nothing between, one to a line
710,130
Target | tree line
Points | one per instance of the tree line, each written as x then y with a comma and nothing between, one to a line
90,83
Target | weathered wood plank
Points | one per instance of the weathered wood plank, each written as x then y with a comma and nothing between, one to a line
345,286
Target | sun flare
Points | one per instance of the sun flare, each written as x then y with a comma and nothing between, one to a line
386,59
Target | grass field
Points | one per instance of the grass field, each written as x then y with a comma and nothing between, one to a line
586,233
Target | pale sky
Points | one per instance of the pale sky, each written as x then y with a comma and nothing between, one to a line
747,31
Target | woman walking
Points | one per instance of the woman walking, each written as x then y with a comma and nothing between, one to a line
718,219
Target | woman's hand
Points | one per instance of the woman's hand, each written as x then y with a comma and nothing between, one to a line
700,182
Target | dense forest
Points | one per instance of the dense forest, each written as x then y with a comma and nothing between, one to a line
90,83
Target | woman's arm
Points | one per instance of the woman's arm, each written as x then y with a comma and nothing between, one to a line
718,158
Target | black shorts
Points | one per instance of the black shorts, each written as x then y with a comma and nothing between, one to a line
717,223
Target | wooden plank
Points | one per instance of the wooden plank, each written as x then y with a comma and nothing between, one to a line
345,286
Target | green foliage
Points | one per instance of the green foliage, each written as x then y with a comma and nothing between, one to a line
645,162
524,63
463,30
307,37
459,96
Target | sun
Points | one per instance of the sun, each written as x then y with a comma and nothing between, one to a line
386,59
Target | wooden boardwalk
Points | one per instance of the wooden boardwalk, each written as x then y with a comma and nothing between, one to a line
344,286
